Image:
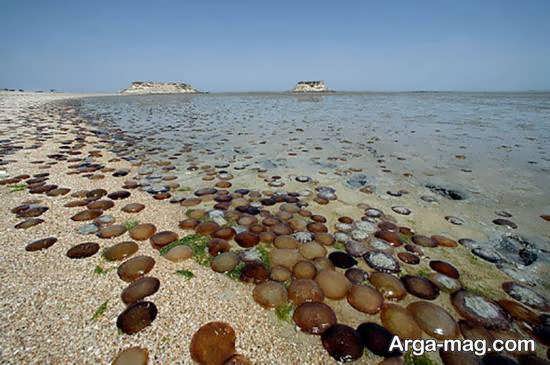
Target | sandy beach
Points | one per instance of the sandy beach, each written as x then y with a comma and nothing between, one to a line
54,309
48,301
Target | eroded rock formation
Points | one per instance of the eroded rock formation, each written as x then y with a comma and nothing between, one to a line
149,87
310,86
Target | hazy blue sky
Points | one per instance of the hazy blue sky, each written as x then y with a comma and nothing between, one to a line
258,45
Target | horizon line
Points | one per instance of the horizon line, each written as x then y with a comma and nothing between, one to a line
5,89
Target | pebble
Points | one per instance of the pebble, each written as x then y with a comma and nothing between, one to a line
400,321
120,251
314,317
140,289
254,272
420,287
365,299
136,317
356,275
526,295
163,238
213,343
423,241
247,239
111,231
505,222
408,258
454,220
342,342
134,268
89,228
445,268
381,261
479,310
468,243
334,284
87,215
444,241
342,259
488,254
388,285
100,204
270,294
304,270
132,356
179,253
117,195
356,248
142,231
401,210
377,339
27,223
304,290
445,283
83,250
41,244
280,274
519,311
373,213
133,208
434,320
284,257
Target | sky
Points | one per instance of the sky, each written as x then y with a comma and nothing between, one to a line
232,45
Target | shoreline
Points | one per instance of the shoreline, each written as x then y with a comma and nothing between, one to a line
69,94
54,298
260,335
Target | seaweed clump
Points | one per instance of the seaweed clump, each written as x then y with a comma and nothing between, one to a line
186,274
198,245
235,273
17,187
130,223
100,310
284,312
264,255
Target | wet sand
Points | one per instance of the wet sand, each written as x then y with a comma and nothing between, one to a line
48,300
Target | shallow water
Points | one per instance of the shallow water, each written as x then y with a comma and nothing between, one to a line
491,148
372,182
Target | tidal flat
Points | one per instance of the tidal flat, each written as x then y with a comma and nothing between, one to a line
275,228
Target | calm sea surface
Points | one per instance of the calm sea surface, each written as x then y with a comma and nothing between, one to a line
493,148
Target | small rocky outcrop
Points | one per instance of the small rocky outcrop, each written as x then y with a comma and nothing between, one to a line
310,86
150,87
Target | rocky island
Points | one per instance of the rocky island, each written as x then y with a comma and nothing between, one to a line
150,87
310,86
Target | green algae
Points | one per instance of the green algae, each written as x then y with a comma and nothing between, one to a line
130,223
100,310
405,238
198,245
284,312
17,187
101,271
424,272
186,274
264,255
235,274
484,291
